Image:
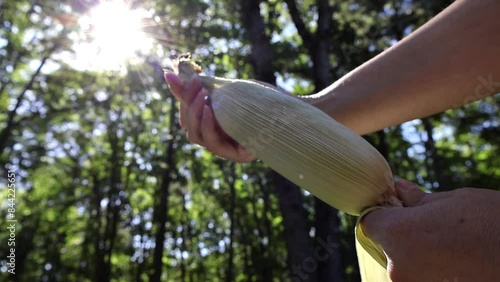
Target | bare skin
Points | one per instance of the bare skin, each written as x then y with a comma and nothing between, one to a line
448,236
450,61
198,119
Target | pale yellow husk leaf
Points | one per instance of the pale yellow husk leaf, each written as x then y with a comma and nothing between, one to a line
309,148
369,268
305,145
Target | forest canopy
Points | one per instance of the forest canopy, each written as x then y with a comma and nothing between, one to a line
108,188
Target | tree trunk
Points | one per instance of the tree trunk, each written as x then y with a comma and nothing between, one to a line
163,193
267,271
290,197
329,259
297,228
433,159
27,238
113,206
232,222
327,221
185,236
141,260
97,225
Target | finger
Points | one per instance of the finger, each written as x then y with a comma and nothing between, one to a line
177,87
218,142
194,117
427,197
187,97
376,223
211,136
409,193
246,155
215,140
183,110
175,84
193,86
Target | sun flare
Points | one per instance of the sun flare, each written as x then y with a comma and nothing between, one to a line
115,33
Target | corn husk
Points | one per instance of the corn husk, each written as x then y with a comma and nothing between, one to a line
307,147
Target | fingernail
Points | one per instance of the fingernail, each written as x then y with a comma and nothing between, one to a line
399,183
405,185
401,187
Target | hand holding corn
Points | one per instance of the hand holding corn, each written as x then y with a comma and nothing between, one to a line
301,143
448,236
198,119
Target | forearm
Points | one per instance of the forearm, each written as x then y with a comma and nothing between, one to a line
450,61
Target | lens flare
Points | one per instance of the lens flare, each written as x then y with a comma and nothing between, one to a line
116,35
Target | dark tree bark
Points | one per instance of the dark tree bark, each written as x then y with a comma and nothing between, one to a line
140,264
267,270
248,267
290,197
382,144
327,230
27,238
262,54
433,159
296,228
113,207
185,235
232,222
97,225
163,193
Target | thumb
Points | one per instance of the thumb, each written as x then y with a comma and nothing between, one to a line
375,224
409,193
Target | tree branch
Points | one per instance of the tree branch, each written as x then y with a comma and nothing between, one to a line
325,21
299,23
7,131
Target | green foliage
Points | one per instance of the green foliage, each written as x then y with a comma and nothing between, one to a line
95,150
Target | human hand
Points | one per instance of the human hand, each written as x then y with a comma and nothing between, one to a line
197,118
448,236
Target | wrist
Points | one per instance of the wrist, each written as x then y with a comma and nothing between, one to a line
335,102
311,100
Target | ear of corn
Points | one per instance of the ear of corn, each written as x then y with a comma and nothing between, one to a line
306,146
369,268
